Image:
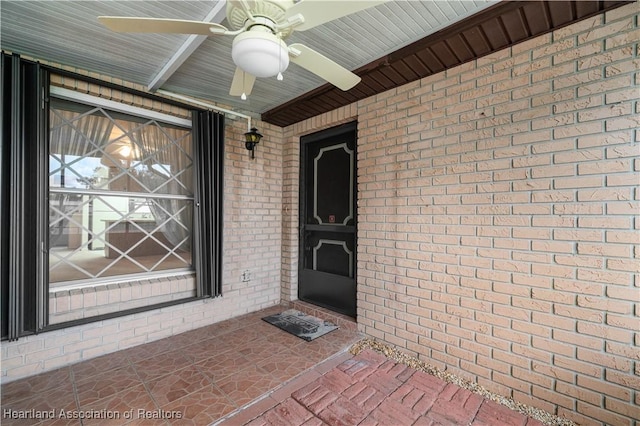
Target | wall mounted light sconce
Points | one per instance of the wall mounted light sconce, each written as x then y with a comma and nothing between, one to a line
252,138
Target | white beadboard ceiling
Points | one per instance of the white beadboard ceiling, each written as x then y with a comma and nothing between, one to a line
68,33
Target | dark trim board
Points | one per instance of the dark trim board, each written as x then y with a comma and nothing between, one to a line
497,27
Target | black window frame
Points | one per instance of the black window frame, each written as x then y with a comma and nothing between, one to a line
24,93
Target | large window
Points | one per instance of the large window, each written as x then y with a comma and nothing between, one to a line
121,194
106,208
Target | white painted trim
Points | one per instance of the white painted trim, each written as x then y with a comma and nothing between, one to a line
72,95
208,106
216,15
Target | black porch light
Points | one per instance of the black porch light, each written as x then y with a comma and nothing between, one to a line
251,139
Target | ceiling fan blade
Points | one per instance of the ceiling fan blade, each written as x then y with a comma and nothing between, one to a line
318,12
322,66
123,24
242,83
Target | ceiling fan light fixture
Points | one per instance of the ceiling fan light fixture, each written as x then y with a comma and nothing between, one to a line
261,54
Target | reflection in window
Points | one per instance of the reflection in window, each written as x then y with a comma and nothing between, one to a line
121,194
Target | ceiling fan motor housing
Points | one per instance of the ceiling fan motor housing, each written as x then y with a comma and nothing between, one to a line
260,53
275,10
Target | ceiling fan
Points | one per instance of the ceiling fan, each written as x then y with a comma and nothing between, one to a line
259,27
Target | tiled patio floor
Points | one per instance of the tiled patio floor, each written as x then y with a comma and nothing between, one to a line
203,374
245,371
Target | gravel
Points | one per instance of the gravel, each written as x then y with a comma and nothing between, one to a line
402,358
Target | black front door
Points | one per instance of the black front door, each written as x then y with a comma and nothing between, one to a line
328,219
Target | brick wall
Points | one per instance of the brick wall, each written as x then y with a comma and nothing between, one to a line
498,230
252,244
253,217
497,227
68,304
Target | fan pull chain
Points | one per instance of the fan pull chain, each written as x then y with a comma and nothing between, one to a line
279,77
244,95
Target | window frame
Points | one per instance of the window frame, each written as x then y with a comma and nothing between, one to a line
136,112
24,95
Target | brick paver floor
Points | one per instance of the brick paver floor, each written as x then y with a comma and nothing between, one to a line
369,389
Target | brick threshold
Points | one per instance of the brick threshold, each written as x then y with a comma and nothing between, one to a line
343,321
371,389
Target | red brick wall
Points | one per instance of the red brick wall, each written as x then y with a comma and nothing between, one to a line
497,228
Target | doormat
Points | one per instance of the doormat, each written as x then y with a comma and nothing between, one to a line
300,324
